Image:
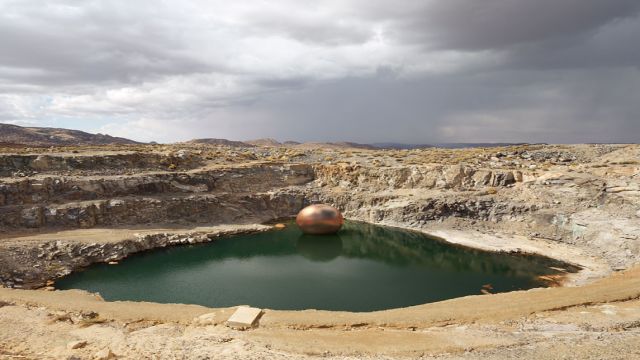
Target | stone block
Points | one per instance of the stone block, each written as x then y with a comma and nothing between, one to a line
244,317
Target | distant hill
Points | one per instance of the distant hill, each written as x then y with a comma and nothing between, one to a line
18,136
269,142
264,142
400,146
474,145
211,141
14,135
334,145
440,145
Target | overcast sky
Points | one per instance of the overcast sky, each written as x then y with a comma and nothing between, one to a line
332,70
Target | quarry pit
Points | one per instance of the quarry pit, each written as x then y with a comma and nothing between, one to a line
64,209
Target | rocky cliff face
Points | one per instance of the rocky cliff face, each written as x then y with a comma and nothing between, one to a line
432,176
207,195
19,165
575,204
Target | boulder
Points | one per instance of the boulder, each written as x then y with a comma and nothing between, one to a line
503,179
482,178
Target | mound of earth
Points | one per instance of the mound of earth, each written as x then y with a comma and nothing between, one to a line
39,136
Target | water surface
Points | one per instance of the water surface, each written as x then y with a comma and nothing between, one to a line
362,268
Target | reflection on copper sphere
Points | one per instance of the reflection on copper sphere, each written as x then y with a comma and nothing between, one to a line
319,219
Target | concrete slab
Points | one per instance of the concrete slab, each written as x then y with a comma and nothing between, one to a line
244,317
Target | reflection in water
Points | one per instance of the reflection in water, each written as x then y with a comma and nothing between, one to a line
361,268
319,247
411,248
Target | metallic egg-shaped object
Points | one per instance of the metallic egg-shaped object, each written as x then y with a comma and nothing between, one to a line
319,219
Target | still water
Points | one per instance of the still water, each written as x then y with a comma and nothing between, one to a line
362,268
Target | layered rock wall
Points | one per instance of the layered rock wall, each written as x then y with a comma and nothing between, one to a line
212,196
432,176
24,164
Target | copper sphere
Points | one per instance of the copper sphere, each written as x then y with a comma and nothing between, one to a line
319,219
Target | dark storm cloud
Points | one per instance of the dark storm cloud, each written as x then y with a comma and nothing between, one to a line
531,106
611,46
497,24
362,70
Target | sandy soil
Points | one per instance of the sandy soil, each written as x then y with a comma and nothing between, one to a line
528,323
